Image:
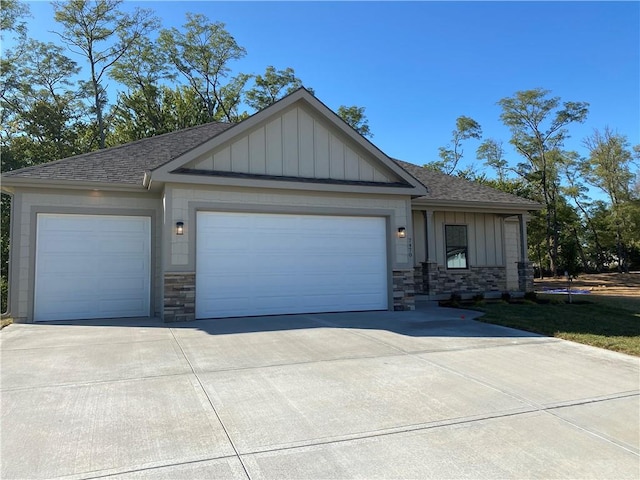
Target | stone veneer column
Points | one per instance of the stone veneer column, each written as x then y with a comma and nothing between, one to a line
403,290
525,277
418,283
179,297
430,277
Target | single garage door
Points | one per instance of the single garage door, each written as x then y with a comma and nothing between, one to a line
92,266
265,264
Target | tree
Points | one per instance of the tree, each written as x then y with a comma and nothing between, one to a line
492,152
138,113
271,87
451,154
538,133
356,119
41,106
12,16
577,191
137,116
202,55
101,33
609,169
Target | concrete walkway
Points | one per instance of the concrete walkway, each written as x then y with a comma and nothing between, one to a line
425,394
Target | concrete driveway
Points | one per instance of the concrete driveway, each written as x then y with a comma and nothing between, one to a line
425,394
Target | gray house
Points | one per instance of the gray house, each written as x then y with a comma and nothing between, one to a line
289,211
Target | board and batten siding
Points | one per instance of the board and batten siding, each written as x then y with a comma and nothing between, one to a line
294,144
28,203
181,203
484,237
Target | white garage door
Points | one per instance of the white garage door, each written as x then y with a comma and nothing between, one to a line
92,266
264,264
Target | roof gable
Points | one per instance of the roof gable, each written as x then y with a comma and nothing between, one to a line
297,139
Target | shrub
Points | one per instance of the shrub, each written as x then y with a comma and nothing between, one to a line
478,297
455,299
506,296
4,291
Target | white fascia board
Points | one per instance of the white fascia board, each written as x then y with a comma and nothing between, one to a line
489,207
310,186
10,183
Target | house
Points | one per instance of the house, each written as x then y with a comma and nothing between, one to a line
289,211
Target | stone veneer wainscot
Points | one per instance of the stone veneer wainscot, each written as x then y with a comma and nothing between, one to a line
179,297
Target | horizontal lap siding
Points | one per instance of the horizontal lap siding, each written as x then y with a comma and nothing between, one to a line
181,199
22,280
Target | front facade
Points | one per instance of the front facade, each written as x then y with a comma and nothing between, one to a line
469,239
290,211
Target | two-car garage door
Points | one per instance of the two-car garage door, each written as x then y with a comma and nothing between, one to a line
265,264
92,266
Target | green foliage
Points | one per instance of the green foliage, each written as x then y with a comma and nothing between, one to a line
478,299
609,169
12,16
202,54
492,152
4,292
356,119
272,86
102,34
450,155
538,130
153,111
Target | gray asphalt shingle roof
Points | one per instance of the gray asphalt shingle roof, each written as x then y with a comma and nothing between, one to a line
124,164
442,187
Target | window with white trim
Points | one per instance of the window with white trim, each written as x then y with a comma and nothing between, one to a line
456,245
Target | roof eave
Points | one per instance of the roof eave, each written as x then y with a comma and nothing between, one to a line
476,205
280,184
9,184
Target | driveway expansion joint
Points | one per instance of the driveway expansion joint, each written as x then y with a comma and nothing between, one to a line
91,475
215,411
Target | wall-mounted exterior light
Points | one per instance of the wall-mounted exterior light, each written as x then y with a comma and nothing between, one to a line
402,232
179,228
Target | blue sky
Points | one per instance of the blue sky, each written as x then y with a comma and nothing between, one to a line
417,66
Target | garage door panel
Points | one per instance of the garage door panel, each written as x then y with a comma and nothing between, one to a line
92,266
124,287
70,243
57,309
288,264
125,266
121,307
56,288
64,264
120,245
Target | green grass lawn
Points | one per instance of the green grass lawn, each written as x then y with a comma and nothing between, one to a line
606,322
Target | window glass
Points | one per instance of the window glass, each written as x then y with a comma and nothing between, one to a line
456,244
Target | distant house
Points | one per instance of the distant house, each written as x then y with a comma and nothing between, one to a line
289,211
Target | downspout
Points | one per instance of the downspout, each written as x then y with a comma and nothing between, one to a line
146,180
